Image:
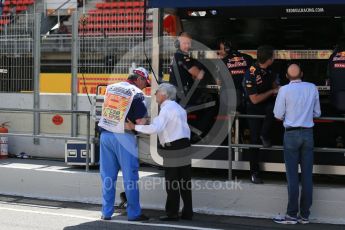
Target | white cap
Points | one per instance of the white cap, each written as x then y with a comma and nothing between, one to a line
143,73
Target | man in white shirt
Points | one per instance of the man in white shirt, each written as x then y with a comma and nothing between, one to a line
296,105
174,135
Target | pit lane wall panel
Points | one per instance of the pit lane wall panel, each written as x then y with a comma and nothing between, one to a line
55,89
23,122
51,148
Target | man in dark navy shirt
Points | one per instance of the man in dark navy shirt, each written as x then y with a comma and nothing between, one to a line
138,108
118,148
336,73
184,70
136,112
260,89
237,63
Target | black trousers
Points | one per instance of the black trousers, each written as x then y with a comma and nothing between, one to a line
338,126
178,184
178,180
259,127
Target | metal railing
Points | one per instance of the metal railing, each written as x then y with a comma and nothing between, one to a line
56,43
278,147
86,139
101,46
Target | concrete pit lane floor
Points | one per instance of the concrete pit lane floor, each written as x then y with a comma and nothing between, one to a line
19,213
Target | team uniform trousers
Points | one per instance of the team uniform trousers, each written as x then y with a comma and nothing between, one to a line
119,151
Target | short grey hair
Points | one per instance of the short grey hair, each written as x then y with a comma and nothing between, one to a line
168,90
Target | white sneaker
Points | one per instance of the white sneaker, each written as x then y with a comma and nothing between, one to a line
302,220
285,219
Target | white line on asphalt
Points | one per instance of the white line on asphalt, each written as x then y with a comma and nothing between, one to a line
48,213
112,221
29,205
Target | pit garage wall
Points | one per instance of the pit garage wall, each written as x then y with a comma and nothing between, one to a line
55,95
23,122
51,148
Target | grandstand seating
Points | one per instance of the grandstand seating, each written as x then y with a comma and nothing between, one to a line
120,17
109,17
21,5
111,5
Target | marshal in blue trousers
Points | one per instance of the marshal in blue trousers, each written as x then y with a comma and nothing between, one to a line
119,151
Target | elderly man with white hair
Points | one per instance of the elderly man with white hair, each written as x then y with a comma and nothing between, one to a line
174,137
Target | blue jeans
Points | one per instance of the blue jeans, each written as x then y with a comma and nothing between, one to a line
298,149
119,151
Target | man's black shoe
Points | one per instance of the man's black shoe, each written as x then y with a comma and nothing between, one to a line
266,143
255,179
123,200
169,218
105,218
142,217
339,142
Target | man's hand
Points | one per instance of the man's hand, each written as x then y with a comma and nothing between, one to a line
218,82
141,121
129,125
201,74
197,74
276,90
